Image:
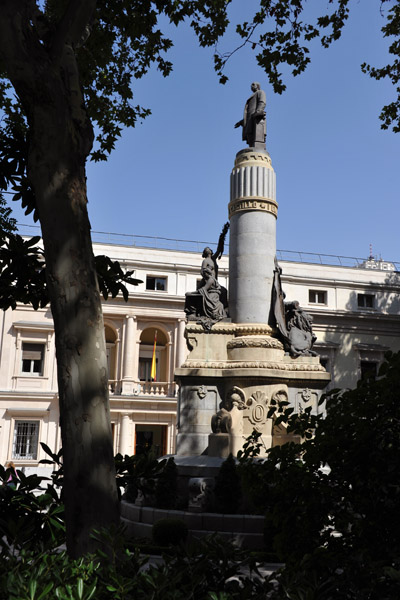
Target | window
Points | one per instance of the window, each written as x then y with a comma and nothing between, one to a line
365,300
145,368
317,296
25,442
149,437
368,369
32,358
156,283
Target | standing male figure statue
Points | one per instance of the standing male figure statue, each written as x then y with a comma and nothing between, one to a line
254,119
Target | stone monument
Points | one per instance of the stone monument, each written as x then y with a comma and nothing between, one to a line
263,351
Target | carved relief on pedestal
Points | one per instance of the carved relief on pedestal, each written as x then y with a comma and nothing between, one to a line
202,392
306,395
229,418
306,398
255,342
258,409
201,493
280,395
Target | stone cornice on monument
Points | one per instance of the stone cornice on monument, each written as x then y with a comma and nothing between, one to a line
259,365
248,157
237,329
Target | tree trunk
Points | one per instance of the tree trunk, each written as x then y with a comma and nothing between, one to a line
90,488
46,80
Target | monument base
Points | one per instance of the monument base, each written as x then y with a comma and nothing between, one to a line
228,382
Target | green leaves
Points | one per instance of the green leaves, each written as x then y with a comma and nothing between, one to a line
279,36
23,274
112,278
390,114
138,472
125,42
331,502
31,518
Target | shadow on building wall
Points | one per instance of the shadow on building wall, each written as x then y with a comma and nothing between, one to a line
357,338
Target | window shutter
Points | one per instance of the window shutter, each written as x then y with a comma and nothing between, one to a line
32,352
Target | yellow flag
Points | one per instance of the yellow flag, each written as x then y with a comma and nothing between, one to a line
153,360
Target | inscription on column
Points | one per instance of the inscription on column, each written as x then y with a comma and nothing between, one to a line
253,204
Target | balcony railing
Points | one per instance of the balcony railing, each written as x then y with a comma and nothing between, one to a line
157,388
114,386
146,241
166,389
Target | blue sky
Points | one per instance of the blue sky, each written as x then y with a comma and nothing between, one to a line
338,175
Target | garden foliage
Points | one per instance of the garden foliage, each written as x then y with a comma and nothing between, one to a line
331,503
331,507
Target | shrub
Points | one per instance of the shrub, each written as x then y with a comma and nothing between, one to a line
31,517
168,532
227,490
331,503
137,472
167,486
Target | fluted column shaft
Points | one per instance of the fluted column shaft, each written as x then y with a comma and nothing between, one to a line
252,248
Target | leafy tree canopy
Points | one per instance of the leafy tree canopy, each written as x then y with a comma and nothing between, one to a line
122,40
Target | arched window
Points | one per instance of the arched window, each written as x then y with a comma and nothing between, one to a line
160,384
146,354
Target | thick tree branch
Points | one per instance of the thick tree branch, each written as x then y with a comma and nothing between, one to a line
71,28
20,48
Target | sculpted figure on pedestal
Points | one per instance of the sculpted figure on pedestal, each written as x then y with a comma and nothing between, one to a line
254,124
300,333
208,304
229,418
293,323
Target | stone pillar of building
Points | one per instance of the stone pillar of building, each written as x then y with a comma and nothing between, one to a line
129,361
125,437
169,365
252,211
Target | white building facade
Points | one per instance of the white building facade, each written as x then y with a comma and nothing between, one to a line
356,311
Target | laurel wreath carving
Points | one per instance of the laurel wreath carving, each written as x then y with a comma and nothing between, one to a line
255,343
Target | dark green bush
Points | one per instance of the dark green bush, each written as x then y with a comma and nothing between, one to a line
167,486
331,503
168,532
31,512
138,472
213,570
227,490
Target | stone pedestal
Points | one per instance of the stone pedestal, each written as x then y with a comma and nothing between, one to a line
234,386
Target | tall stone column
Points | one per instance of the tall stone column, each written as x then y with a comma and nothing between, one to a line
129,362
252,211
